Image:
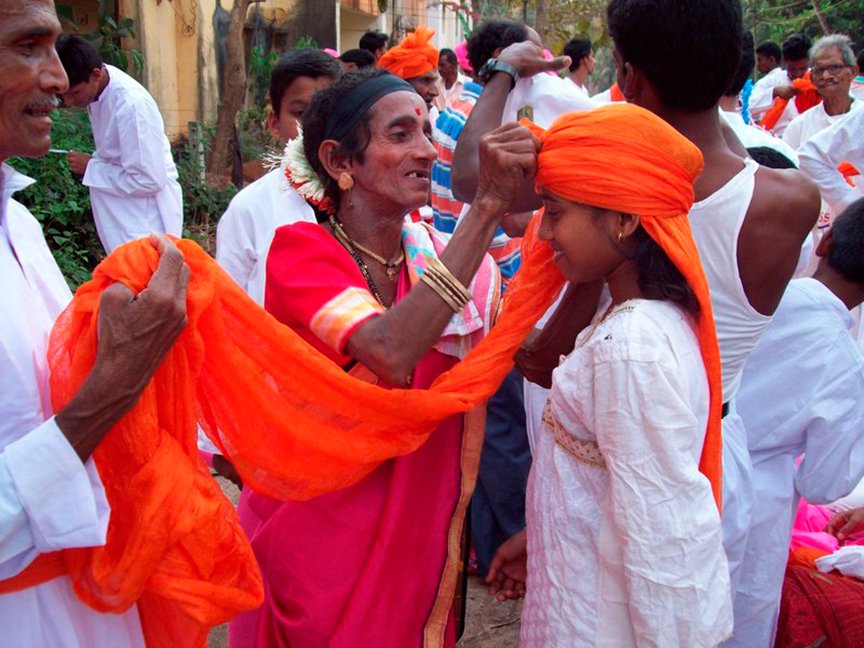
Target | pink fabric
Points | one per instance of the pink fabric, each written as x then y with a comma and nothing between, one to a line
364,562
809,529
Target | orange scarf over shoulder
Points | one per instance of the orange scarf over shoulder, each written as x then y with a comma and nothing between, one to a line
624,158
806,97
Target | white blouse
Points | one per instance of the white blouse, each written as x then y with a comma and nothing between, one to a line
624,539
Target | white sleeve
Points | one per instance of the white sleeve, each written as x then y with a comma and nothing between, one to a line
49,500
661,505
235,244
762,96
142,170
833,462
792,134
821,154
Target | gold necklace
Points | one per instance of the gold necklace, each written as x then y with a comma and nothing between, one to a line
392,266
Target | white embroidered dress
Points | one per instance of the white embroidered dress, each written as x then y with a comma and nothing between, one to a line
624,539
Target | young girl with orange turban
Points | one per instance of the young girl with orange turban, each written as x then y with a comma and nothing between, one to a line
624,541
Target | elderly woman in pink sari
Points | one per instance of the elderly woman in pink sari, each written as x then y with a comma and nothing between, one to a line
395,303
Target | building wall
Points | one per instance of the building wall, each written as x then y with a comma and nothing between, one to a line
180,39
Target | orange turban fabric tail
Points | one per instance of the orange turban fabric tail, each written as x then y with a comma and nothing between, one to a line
624,158
413,57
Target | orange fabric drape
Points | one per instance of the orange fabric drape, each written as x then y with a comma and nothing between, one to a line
615,93
294,424
624,158
806,97
414,56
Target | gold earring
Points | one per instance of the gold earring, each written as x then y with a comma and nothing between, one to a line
346,182
620,237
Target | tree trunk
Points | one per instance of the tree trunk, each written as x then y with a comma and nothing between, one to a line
233,91
540,19
823,21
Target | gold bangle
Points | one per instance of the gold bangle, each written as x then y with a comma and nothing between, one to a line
441,271
440,291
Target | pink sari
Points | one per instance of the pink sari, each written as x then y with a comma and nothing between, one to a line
379,561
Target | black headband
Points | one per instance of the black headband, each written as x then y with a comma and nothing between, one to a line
358,100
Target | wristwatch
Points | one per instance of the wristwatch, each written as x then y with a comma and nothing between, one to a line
492,66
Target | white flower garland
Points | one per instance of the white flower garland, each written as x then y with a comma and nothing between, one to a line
301,175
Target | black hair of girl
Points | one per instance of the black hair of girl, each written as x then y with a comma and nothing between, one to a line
658,277
315,121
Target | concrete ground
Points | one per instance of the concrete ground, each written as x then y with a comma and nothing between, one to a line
490,624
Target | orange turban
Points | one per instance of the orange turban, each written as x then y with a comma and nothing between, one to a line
624,158
413,57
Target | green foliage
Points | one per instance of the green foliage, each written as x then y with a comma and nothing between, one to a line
776,20
60,202
106,37
306,42
203,202
260,67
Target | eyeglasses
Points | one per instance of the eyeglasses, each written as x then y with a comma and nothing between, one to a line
834,69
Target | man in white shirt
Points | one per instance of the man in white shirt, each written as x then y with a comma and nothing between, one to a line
810,370
246,229
778,82
768,56
51,497
451,79
822,153
581,62
131,175
832,68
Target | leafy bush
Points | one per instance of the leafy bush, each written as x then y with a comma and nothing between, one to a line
204,201
60,202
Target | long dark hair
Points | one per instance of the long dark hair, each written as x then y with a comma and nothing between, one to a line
658,277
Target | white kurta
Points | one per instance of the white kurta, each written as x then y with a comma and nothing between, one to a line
821,154
762,98
754,137
543,98
132,177
624,538
246,230
802,391
49,500
805,126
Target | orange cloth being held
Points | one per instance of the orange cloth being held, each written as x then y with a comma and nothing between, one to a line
294,424
806,97
413,57
624,158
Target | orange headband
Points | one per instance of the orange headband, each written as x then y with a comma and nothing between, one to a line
413,57
626,159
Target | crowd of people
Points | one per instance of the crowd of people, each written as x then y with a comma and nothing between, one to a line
604,350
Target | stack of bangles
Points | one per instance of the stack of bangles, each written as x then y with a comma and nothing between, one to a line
446,286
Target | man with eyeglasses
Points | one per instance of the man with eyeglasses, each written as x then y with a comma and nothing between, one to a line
777,84
832,70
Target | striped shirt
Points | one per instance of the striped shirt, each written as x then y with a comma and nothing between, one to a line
446,208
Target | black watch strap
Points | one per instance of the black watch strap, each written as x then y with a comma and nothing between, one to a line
494,65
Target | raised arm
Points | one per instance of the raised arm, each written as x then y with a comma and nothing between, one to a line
527,58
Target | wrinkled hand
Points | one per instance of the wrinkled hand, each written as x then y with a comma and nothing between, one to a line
508,572
78,161
135,334
846,523
528,59
784,91
508,159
